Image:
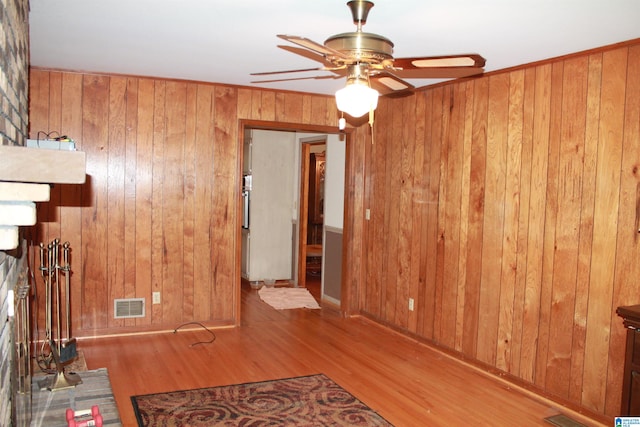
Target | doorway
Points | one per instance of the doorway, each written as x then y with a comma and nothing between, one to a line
306,136
311,208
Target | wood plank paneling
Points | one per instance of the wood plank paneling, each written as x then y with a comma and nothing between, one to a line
375,259
116,161
574,113
203,226
433,269
392,215
158,211
627,269
494,218
525,133
440,285
531,332
549,229
144,193
586,229
465,190
423,237
417,212
94,306
405,228
605,230
508,304
569,181
189,257
526,241
226,176
158,252
72,195
354,226
475,216
55,114
453,289
173,199
130,185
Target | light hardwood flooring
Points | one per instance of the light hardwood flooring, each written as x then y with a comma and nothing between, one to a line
407,382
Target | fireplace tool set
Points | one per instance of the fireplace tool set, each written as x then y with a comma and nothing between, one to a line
57,350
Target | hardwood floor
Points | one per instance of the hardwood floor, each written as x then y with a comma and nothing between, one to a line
407,382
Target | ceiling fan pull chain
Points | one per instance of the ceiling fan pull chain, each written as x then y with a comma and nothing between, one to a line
371,113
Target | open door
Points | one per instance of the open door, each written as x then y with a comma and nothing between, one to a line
311,205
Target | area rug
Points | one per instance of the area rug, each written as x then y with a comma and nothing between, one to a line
313,400
288,298
48,408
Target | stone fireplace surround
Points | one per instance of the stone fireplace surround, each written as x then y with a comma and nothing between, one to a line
15,408
14,120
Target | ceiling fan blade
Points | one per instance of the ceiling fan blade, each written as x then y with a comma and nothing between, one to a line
448,61
439,67
312,55
313,46
389,84
298,78
439,73
267,73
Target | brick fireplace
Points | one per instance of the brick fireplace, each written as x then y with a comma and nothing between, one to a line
25,175
14,119
15,341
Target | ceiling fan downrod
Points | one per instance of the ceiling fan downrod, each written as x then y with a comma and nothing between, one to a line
359,46
360,10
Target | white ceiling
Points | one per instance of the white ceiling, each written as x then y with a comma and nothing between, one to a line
223,41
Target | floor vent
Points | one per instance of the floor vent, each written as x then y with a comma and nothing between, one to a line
128,308
563,421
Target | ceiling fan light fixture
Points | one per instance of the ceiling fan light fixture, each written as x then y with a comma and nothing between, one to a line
357,98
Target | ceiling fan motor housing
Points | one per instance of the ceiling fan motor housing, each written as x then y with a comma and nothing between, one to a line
362,47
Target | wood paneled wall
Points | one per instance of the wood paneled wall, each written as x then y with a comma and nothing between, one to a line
160,209
506,207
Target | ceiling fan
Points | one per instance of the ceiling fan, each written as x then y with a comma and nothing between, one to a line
367,61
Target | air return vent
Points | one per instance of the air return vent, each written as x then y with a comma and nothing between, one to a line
128,308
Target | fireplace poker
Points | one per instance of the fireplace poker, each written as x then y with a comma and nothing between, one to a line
68,349
45,270
56,280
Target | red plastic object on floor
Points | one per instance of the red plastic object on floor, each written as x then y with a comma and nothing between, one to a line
87,418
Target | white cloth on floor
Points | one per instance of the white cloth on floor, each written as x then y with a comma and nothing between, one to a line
288,298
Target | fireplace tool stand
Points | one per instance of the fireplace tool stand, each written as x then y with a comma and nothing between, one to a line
61,352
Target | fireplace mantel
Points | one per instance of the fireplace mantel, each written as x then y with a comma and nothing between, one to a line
25,178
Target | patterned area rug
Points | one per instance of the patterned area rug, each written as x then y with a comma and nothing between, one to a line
313,400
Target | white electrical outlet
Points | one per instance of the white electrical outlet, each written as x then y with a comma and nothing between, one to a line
155,298
410,304
367,214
